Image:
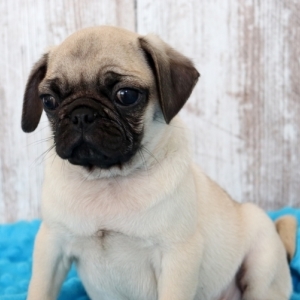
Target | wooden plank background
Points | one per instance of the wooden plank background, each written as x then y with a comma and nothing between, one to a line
244,113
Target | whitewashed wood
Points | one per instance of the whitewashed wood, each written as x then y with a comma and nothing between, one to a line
27,28
244,113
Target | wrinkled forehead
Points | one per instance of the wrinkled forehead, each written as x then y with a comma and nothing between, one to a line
95,52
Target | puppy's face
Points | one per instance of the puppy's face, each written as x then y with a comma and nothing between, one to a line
101,88
95,92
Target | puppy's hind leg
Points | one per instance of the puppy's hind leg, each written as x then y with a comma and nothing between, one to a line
266,274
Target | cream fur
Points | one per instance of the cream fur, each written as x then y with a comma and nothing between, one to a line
157,229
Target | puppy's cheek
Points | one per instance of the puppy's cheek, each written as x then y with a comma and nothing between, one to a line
65,138
66,144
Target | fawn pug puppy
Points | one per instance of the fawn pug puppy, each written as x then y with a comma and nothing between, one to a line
123,198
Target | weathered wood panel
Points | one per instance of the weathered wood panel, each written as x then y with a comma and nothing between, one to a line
27,28
245,110
244,113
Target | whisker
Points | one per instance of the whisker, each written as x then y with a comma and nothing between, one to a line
47,158
149,152
43,155
144,161
40,141
63,167
40,129
55,155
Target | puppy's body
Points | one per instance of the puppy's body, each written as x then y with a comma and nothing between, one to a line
155,227
118,231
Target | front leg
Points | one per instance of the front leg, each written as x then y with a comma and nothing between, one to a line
50,266
180,270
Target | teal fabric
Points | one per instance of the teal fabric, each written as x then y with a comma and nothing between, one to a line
295,263
16,246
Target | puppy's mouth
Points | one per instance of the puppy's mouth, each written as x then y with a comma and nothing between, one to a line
89,157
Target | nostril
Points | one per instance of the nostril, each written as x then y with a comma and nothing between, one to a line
83,116
90,118
75,120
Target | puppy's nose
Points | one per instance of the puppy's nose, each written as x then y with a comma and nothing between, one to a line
83,116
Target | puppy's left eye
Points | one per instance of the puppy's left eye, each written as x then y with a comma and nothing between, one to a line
127,96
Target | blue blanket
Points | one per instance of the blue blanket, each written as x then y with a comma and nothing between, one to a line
16,245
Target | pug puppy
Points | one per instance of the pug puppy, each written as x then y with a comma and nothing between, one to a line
122,198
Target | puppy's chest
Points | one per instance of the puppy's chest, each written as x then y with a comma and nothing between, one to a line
115,266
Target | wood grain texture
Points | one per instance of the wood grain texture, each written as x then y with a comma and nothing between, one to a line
27,29
244,114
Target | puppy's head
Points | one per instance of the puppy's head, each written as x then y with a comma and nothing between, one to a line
101,88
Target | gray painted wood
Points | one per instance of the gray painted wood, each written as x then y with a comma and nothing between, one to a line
27,29
243,114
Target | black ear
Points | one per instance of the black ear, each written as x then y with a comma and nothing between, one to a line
32,105
175,75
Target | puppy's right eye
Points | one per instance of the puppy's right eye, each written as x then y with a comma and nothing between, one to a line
49,102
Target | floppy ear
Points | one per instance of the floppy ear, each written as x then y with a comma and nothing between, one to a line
32,105
175,74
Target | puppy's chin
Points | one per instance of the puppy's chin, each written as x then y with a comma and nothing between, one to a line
92,170
90,158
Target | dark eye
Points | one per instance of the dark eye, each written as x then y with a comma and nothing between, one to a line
127,96
49,102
